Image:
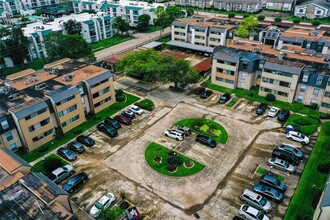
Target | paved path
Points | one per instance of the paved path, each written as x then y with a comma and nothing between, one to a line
139,38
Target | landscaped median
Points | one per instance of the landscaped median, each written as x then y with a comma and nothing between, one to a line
252,94
312,180
206,127
99,117
306,124
169,162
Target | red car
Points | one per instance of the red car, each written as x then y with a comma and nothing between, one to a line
123,119
199,90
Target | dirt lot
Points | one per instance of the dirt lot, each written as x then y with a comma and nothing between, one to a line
117,165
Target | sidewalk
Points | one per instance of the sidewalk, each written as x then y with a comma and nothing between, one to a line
139,38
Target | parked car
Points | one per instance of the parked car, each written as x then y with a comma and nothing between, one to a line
281,165
283,115
296,136
85,140
101,204
199,90
255,200
75,182
61,173
107,129
269,192
272,181
66,154
136,109
206,141
114,123
184,129
251,213
129,114
291,149
76,147
122,119
237,218
224,98
287,156
261,109
179,136
273,111
292,127
206,94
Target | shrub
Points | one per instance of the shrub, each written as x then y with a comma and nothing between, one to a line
278,19
324,168
231,15
314,106
261,17
316,23
316,200
170,167
119,92
246,15
43,149
174,159
52,163
296,20
146,104
121,98
270,97
302,122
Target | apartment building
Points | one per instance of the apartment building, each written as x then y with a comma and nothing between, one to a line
25,194
202,31
325,102
9,8
95,27
36,104
235,69
283,5
228,5
38,3
313,9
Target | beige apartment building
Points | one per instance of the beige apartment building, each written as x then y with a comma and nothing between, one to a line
325,102
58,97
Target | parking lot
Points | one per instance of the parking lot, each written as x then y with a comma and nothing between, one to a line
117,165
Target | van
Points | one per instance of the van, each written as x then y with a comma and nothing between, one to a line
261,109
283,115
184,129
256,200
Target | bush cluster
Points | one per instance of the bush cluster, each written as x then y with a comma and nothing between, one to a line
52,164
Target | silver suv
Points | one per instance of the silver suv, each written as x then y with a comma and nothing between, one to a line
175,134
256,200
61,173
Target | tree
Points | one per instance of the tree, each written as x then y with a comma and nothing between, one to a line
270,97
190,12
242,32
143,22
121,25
17,46
247,26
37,12
59,46
316,23
231,15
51,164
72,27
261,17
174,12
296,20
163,20
278,19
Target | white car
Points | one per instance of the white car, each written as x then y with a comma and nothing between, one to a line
273,111
102,203
281,165
136,109
248,212
177,135
296,136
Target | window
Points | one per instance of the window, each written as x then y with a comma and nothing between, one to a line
244,65
327,94
229,81
35,114
219,5
285,84
99,83
65,100
83,100
68,110
243,76
229,72
102,102
13,147
301,10
319,80
302,88
219,79
316,91
9,136
327,105
75,118
305,77
299,98
219,70
220,61
318,12
4,123
282,94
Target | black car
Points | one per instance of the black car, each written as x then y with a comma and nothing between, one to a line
206,94
75,181
272,181
283,115
206,141
66,153
261,109
85,140
114,123
224,98
107,129
76,147
287,156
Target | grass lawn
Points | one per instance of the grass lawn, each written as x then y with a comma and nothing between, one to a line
154,149
36,65
39,167
208,128
295,107
153,29
307,124
164,39
55,143
231,103
300,204
325,21
100,45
